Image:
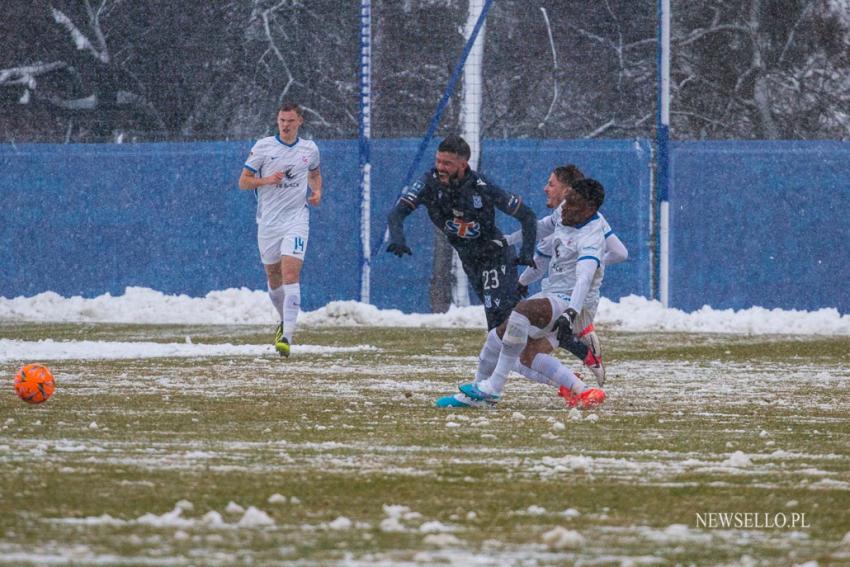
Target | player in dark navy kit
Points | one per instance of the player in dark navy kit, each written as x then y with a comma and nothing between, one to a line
462,204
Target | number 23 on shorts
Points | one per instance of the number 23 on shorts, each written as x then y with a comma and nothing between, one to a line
490,278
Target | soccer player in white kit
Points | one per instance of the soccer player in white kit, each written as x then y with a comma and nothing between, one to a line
585,346
279,170
568,300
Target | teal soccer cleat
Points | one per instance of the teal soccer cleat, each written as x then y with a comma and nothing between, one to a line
461,401
472,391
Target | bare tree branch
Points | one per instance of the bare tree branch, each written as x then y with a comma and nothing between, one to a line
94,19
80,40
791,36
700,33
618,47
701,117
601,129
290,80
25,75
555,93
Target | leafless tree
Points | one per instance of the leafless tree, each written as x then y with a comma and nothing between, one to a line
762,69
106,70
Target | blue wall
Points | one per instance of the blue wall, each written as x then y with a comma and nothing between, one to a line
90,219
752,223
760,223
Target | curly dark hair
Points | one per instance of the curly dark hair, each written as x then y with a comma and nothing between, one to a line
456,145
591,190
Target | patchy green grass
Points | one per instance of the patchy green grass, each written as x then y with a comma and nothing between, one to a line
144,460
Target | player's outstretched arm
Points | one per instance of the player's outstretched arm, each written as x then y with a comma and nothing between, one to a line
545,227
528,221
585,270
615,250
395,223
531,275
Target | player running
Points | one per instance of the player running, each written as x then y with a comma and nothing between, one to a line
279,170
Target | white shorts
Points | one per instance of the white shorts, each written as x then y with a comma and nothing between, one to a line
559,303
287,240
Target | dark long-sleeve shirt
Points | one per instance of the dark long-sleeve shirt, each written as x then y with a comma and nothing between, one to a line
465,212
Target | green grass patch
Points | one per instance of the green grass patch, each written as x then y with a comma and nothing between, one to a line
344,458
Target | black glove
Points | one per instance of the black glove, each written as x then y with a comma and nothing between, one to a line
522,290
564,327
525,259
399,249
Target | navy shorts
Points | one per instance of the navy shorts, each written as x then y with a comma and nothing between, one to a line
494,279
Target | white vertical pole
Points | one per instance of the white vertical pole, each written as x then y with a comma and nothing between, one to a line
473,73
663,177
365,135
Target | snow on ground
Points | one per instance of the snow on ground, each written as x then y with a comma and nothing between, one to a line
113,350
244,306
737,396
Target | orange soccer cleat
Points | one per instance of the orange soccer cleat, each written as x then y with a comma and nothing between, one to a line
588,399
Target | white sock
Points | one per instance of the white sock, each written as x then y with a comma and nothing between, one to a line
533,375
277,296
558,373
489,356
291,305
513,341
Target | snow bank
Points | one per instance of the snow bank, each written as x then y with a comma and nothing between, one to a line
244,306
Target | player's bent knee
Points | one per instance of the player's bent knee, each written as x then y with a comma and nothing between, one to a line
527,357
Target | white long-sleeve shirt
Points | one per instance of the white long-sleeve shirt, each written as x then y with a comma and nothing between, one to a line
615,250
572,256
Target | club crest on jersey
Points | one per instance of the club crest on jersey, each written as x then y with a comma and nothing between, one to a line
561,247
462,228
557,247
488,302
476,201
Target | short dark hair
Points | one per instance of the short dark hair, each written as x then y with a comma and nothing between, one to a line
456,145
591,190
290,106
568,174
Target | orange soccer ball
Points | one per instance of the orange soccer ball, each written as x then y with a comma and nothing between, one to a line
34,383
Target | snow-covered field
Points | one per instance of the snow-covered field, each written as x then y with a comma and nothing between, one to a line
185,441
